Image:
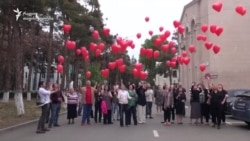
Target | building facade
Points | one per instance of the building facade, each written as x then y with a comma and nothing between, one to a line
161,80
231,66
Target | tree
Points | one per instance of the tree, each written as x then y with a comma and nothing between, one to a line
156,66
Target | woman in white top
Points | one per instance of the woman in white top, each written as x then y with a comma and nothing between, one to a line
72,99
123,97
44,104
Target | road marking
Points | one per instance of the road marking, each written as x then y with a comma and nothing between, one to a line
156,134
234,122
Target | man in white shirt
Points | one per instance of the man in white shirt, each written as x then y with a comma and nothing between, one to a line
44,100
123,97
149,98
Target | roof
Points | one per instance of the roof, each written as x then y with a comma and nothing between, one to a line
193,2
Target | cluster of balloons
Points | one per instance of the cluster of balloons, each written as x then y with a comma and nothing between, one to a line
161,46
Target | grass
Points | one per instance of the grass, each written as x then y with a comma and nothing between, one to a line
8,116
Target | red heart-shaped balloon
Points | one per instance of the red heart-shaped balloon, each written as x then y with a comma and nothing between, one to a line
218,31
156,54
78,51
165,48
95,34
181,29
161,28
186,60
204,28
217,6
138,35
184,54
176,23
66,28
59,68
203,67
213,28
216,49
240,10
191,48
208,45
106,32
150,32
173,50
88,74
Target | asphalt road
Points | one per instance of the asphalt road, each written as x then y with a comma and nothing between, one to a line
153,130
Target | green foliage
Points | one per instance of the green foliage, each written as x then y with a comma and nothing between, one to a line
95,74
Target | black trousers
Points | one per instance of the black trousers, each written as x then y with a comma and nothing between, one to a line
48,113
205,112
107,118
98,111
149,109
217,115
223,113
123,108
167,114
132,115
44,114
172,112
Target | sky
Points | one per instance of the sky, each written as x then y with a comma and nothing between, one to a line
127,18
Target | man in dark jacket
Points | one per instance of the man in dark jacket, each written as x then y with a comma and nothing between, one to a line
56,100
141,103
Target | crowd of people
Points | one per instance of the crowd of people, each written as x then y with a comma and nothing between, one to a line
131,103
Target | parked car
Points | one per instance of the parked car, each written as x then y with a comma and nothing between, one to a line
241,107
232,97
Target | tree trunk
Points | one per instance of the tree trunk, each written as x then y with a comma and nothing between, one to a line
7,85
19,53
29,78
49,55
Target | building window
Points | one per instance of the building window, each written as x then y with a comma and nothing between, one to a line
174,73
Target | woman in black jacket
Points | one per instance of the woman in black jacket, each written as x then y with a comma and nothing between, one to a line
217,100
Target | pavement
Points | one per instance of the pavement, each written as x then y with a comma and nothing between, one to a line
152,130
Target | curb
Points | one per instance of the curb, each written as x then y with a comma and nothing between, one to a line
14,127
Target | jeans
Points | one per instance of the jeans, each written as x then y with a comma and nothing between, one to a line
98,111
42,120
123,110
86,113
55,110
115,111
149,109
132,114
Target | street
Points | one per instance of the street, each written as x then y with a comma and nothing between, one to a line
153,130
